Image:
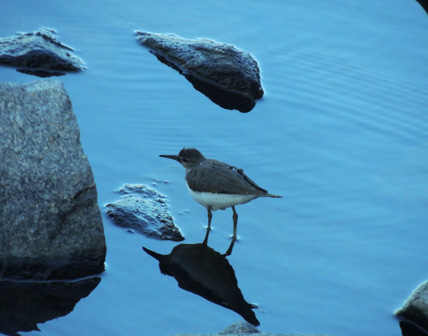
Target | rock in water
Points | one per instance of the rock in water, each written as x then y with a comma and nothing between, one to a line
38,53
50,223
145,210
240,328
244,329
423,4
228,76
415,308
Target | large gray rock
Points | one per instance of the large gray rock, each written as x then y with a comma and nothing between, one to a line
230,77
144,210
415,308
50,223
240,329
38,53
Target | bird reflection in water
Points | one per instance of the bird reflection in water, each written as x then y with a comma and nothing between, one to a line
201,270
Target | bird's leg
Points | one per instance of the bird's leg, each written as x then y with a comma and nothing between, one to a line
205,242
229,250
235,223
210,216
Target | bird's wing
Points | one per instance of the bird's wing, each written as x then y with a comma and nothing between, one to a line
227,179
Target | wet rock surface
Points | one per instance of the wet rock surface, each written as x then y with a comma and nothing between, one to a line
23,305
415,309
39,53
230,77
145,210
242,328
50,223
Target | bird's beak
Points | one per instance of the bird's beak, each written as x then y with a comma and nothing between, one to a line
157,256
173,157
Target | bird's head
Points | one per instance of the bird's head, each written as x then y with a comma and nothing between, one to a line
188,157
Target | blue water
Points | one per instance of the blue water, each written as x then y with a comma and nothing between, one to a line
341,133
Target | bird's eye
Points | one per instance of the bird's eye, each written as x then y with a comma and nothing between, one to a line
184,159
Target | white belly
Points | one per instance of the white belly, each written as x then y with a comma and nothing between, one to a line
220,201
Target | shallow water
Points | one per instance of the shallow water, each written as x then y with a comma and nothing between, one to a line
341,133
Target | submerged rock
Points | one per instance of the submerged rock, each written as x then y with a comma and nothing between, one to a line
415,309
145,210
228,76
239,328
242,328
50,223
38,53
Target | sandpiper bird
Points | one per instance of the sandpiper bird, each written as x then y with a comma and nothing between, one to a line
217,185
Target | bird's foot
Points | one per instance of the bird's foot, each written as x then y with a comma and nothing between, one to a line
234,237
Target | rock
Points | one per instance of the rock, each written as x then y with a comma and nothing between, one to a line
145,210
242,328
423,4
38,53
228,76
50,223
24,304
415,309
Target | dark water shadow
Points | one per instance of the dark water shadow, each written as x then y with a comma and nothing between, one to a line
227,99
203,271
40,72
424,4
25,304
410,329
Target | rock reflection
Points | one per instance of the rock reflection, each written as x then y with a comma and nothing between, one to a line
25,304
201,270
409,329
